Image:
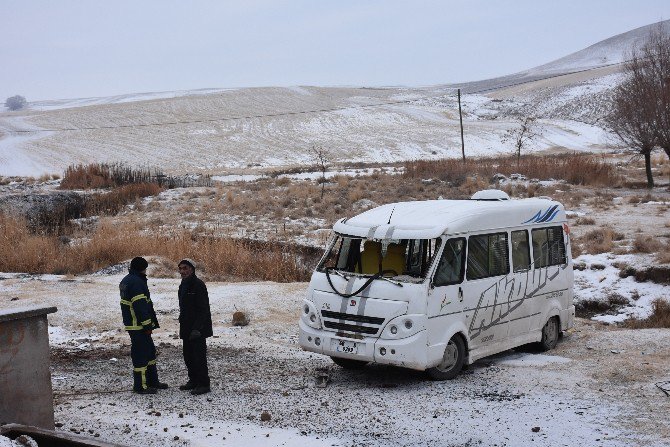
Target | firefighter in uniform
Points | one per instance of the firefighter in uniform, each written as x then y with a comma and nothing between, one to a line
139,319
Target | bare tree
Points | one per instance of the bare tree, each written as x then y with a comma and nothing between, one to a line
655,55
321,161
635,113
15,102
522,136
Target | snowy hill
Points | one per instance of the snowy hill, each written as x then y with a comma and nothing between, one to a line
604,54
238,130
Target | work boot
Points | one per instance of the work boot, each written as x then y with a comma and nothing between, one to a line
188,386
159,386
201,390
146,391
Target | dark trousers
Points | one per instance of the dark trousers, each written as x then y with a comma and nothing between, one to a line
143,354
195,357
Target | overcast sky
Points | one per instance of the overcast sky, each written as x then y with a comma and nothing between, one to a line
83,48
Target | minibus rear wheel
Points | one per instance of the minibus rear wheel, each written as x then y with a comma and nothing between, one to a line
452,361
349,363
550,333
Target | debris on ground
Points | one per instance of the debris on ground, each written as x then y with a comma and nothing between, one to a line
240,318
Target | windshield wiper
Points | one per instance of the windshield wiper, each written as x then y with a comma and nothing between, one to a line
397,283
340,274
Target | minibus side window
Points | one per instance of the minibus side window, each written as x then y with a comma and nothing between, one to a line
330,259
548,246
416,256
488,255
420,256
349,254
520,251
345,254
450,269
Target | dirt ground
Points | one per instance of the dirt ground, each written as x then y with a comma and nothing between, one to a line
598,387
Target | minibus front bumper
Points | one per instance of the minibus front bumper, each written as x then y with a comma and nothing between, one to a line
410,352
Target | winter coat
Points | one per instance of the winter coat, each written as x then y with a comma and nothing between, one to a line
137,309
194,312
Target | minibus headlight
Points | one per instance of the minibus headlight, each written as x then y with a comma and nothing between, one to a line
310,316
404,326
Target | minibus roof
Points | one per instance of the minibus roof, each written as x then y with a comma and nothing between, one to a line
432,218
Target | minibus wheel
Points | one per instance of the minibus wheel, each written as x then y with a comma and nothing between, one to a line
550,334
452,361
349,363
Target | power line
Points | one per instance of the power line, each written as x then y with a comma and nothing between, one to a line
305,112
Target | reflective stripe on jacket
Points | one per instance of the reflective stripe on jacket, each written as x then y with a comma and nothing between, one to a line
137,309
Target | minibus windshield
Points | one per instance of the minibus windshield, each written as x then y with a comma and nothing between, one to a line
402,259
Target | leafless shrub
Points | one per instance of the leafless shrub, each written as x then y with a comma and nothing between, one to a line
585,221
587,308
102,175
646,244
575,169
663,256
600,240
659,318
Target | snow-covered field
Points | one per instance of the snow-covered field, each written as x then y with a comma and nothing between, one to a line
596,388
233,131
204,144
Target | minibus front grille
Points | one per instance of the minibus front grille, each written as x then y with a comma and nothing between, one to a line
352,317
350,327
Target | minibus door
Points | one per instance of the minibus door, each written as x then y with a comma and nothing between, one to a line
487,298
445,302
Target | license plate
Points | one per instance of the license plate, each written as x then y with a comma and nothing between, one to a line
347,347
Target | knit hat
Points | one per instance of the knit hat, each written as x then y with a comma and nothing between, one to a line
187,261
139,264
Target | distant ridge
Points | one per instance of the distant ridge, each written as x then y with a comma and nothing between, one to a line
613,50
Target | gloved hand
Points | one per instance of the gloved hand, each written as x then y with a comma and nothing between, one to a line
195,334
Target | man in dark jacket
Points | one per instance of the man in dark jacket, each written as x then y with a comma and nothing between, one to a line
195,325
139,319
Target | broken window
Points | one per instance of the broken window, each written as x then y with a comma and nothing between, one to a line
451,267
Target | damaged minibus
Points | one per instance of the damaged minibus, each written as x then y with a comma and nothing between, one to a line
434,285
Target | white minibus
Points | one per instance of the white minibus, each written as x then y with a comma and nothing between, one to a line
433,285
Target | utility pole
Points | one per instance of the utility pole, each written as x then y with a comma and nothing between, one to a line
460,115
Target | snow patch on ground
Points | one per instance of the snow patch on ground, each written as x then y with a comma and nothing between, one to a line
524,359
603,282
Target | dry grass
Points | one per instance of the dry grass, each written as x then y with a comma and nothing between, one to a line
646,244
575,169
112,202
659,318
229,259
598,241
102,175
585,221
54,217
663,255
